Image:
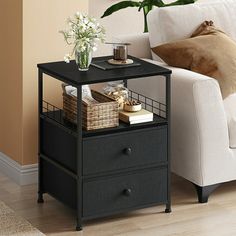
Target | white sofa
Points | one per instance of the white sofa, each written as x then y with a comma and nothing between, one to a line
201,131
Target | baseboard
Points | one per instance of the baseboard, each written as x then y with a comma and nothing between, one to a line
22,175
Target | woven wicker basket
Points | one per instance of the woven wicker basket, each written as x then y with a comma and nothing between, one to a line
95,116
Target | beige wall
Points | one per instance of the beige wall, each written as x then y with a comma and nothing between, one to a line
11,79
29,35
42,43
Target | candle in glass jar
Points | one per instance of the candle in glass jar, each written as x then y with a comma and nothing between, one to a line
120,52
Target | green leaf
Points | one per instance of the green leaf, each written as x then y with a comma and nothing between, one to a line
119,6
180,2
143,4
150,3
158,3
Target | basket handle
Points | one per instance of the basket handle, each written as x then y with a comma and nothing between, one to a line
63,85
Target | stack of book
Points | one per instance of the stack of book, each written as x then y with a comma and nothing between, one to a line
132,118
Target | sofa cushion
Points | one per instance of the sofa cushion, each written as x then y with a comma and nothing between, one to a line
178,22
209,51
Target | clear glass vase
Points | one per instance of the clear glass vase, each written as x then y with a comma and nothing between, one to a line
83,59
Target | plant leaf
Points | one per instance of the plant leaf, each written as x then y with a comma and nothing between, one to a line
143,4
151,3
159,3
180,2
119,6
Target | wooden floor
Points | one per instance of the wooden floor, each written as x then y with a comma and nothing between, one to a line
217,218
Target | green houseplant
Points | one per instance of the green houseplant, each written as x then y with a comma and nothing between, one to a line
145,5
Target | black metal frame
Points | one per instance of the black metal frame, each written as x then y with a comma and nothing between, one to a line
40,111
168,107
79,159
79,175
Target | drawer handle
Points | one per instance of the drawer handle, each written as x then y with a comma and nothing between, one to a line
128,151
127,192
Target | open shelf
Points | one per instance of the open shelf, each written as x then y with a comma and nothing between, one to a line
56,116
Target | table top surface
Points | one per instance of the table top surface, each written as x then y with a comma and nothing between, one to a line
69,73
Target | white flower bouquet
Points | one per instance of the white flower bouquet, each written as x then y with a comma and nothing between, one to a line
83,33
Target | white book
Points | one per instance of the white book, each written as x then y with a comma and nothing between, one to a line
140,121
135,116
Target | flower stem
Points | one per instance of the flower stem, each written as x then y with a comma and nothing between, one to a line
83,58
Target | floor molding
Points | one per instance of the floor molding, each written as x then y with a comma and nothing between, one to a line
22,175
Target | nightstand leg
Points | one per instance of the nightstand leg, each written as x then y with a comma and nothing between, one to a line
40,197
168,115
79,225
168,208
40,112
79,159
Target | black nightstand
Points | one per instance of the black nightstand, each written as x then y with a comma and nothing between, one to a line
106,171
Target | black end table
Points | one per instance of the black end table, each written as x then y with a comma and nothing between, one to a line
106,171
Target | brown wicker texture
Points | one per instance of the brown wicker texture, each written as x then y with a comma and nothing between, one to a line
95,116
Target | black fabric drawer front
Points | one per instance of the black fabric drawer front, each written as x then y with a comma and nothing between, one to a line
58,184
58,145
115,194
124,150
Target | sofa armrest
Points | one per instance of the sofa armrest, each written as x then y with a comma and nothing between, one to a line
200,140
199,130
139,47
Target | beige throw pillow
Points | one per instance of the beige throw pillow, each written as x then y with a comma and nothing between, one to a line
209,51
